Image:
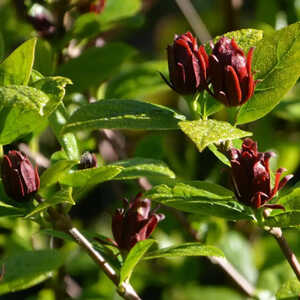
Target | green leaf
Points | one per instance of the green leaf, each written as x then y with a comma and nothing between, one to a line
240,254
22,110
277,63
16,68
62,196
284,220
96,65
200,197
187,249
290,201
91,24
92,176
10,211
290,290
206,132
123,114
28,268
245,38
57,170
140,167
68,141
139,81
133,258
2,46
219,155
54,87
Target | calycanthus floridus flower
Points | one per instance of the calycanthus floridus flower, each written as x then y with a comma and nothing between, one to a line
20,179
134,223
187,65
230,73
251,176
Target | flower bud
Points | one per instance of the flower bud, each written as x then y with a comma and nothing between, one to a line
20,179
43,25
230,73
134,223
251,176
87,160
188,65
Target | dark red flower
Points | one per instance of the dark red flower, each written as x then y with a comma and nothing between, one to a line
230,73
134,223
87,160
188,65
251,176
97,6
20,179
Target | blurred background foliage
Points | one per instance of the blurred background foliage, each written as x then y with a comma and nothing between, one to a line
118,54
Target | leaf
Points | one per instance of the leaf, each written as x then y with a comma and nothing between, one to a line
96,65
16,68
240,254
54,87
114,11
10,211
140,167
200,197
91,176
277,63
62,196
68,140
245,38
55,171
21,111
187,249
2,46
123,114
28,268
206,132
290,201
284,220
133,258
219,155
142,79
290,290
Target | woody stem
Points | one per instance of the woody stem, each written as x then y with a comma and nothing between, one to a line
276,232
62,221
225,265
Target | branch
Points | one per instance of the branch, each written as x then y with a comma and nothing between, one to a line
63,223
276,232
225,265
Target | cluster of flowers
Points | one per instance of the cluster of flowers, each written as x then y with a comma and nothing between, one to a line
227,69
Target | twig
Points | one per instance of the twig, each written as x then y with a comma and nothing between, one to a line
63,223
226,266
194,19
276,232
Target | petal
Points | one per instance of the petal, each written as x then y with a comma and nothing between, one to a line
215,73
284,180
277,178
274,206
28,176
249,60
233,88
